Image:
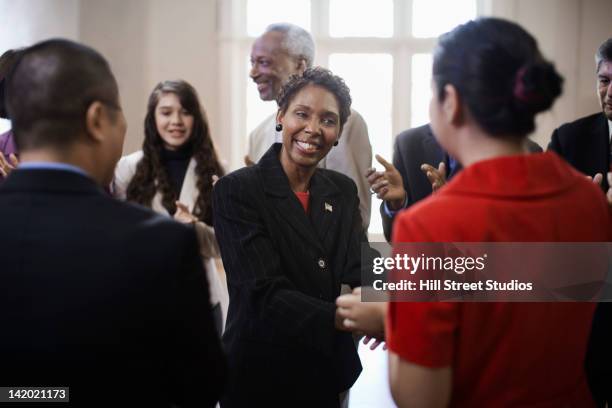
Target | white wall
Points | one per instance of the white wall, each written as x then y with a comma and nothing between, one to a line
150,41
23,22
118,29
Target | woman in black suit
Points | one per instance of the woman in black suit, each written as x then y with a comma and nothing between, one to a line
290,235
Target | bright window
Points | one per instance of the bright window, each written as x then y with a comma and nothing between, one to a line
372,99
430,18
261,13
421,89
361,18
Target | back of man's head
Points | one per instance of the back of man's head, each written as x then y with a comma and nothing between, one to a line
49,90
604,53
297,42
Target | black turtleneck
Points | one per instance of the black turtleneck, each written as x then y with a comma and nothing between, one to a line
176,163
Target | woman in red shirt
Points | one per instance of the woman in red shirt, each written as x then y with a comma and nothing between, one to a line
489,82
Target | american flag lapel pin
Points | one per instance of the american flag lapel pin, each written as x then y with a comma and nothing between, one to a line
328,207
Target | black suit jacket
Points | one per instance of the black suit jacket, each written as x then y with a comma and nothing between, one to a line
284,270
585,144
411,149
102,296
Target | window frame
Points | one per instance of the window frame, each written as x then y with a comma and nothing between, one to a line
235,47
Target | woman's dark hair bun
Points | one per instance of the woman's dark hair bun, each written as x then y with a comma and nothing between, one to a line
536,86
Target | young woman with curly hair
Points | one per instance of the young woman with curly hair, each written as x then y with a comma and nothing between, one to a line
173,173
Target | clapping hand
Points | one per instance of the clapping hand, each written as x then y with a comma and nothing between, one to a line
6,166
248,161
387,185
183,214
437,177
598,178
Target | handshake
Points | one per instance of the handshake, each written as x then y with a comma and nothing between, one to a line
364,318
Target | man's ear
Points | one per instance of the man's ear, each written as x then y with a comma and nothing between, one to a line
301,65
451,106
96,120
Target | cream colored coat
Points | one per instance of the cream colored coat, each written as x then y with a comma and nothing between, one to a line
125,170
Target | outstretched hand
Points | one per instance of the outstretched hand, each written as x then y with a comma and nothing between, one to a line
388,185
362,317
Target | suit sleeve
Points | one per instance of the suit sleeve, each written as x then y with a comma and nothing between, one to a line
253,268
197,367
554,144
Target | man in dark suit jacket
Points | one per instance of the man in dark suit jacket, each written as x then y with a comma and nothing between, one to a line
415,153
586,145
103,297
284,269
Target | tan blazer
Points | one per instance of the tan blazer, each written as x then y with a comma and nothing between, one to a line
209,249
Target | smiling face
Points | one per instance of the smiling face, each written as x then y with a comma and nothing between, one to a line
271,65
604,87
311,125
174,123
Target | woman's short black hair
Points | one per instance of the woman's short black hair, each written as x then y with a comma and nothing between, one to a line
321,77
499,73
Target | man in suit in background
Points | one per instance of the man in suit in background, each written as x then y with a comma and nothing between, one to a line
103,297
413,175
281,51
586,145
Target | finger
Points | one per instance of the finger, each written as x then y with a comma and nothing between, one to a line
442,168
248,161
214,179
598,178
427,167
373,177
370,171
367,339
348,323
2,172
345,300
357,291
375,344
432,177
14,160
380,184
388,166
382,194
181,206
3,161
344,312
